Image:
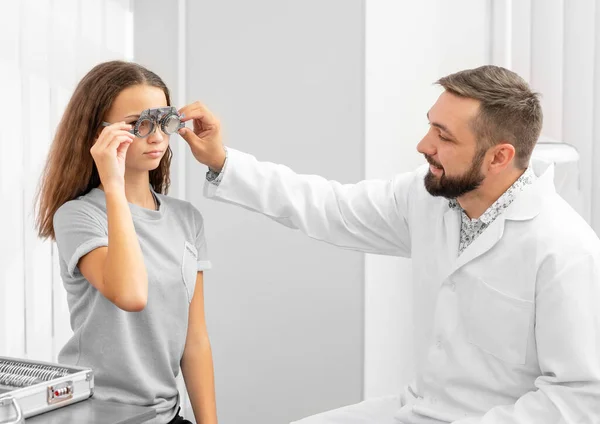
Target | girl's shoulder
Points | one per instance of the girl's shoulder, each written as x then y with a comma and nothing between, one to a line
182,209
88,204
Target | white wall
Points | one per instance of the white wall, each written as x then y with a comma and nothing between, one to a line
286,312
409,45
46,47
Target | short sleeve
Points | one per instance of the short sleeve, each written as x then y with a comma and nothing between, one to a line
200,242
79,230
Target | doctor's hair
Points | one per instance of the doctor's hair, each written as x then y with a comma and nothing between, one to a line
509,111
70,170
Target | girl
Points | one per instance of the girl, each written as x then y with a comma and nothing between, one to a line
131,258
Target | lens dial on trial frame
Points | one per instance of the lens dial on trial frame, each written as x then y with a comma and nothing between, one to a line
167,117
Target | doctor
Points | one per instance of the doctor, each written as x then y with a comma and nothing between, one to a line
506,273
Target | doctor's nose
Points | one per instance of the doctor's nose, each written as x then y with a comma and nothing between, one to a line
425,147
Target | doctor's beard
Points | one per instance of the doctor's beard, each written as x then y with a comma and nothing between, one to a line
455,186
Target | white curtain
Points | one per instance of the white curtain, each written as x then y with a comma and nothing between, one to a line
555,45
46,47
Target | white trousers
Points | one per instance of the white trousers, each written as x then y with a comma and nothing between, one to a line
372,411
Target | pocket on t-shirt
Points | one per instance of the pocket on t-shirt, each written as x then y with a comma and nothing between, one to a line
189,268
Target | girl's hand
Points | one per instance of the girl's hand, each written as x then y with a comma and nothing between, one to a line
109,153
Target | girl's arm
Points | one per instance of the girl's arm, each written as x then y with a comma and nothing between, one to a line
197,362
118,270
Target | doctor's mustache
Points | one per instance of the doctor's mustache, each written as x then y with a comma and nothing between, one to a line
431,161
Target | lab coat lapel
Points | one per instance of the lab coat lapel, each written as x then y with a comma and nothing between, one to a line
484,242
452,227
526,206
446,259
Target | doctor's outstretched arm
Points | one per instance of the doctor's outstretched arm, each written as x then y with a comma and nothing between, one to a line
371,216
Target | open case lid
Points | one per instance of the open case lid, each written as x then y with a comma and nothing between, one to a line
29,388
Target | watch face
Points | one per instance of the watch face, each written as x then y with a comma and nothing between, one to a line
211,175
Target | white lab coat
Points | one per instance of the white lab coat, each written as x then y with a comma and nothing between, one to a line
508,332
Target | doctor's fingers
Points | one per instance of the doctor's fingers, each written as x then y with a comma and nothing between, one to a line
200,114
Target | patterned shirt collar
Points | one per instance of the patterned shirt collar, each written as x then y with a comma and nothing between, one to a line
470,229
504,201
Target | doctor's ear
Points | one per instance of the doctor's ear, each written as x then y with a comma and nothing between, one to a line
503,155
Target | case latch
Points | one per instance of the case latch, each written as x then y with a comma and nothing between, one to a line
60,392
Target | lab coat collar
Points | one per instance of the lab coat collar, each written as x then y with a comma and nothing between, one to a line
528,203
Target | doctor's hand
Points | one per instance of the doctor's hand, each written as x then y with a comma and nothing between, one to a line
205,139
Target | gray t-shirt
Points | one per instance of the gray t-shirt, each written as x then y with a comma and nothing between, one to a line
135,355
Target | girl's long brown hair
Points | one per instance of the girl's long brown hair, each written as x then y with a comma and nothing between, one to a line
70,170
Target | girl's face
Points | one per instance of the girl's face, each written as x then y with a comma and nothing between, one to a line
144,154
